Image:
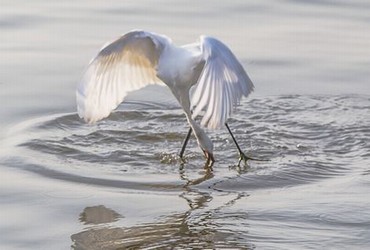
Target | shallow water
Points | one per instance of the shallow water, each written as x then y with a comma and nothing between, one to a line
120,184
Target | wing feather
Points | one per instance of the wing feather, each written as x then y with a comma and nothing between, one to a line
127,64
221,85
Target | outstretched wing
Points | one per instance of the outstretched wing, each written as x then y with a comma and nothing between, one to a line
124,65
221,84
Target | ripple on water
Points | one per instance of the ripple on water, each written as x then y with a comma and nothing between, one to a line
304,139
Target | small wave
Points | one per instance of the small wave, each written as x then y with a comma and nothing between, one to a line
304,139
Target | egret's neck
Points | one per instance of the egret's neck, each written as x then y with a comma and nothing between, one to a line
179,68
203,140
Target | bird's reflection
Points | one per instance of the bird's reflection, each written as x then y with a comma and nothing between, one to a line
206,175
98,215
199,227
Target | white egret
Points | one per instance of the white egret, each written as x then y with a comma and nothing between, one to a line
204,77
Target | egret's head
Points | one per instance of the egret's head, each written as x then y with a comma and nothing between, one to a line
206,145
210,158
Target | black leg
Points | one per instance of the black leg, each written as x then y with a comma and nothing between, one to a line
242,156
185,143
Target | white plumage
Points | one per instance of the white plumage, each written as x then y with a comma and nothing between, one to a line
203,76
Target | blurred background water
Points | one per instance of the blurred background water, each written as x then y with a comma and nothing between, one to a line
119,184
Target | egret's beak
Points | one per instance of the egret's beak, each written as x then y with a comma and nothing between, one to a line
210,159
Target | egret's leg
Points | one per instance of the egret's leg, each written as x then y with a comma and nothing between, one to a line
185,143
242,156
